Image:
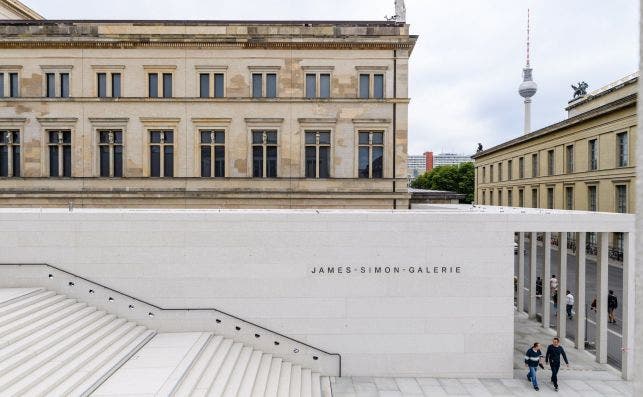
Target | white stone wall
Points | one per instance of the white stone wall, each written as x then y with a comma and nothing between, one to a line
257,265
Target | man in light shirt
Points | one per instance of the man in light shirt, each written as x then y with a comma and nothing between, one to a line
553,284
570,304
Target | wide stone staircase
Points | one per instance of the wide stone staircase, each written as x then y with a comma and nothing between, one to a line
54,345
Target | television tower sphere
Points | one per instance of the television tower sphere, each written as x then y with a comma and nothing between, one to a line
527,88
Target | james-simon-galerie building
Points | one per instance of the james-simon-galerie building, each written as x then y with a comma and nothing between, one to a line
272,248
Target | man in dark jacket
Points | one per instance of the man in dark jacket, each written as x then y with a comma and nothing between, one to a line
612,304
554,351
532,359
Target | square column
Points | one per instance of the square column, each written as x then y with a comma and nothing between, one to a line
562,287
521,272
581,314
546,299
601,302
628,304
533,249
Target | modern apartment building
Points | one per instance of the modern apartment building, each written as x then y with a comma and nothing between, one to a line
245,114
417,165
435,160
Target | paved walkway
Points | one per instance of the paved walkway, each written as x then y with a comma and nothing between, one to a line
585,377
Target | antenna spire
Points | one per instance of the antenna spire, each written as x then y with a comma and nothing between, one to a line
528,38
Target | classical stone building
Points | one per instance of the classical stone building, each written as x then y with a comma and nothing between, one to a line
585,162
218,114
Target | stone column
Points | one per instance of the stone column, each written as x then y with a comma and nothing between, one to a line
521,272
546,299
581,314
533,249
601,302
628,305
562,287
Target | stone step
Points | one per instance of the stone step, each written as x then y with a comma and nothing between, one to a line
9,296
294,389
326,390
284,379
211,371
316,385
189,382
36,321
42,301
261,380
24,301
236,376
217,387
273,377
250,375
306,382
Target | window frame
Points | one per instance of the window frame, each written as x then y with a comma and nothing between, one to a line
103,124
591,165
535,165
264,145
370,146
211,71
569,159
616,197
162,145
57,71
592,187
11,144
110,147
59,146
318,71
264,71
109,71
6,71
622,154
160,71
569,198
551,162
371,71
551,197
317,146
510,172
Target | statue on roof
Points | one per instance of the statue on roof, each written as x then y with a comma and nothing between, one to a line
580,90
479,147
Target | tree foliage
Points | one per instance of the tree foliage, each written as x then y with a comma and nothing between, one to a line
455,178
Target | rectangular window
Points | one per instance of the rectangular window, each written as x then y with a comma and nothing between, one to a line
51,84
534,165
378,86
9,153
64,85
622,150
167,85
621,199
364,85
569,198
271,85
484,197
219,85
499,172
212,153
521,168
371,154
592,199
534,198
484,174
161,153
59,153
317,154
491,173
592,151
153,85
510,171
500,197
116,85
311,85
102,85
14,89
257,85
264,154
550,198
1,85
521,198
110,147
490,197
324,85
204,85
569,159
510,198
550,162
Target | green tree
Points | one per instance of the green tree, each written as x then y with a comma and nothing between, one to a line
455,178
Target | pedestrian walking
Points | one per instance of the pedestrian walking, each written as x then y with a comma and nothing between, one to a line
539,286
569,300
553,284
593,305
612,304
554,351
532,359
555,299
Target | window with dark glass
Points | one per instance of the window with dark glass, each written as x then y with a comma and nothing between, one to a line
534,165
364,85
50,81
621,199
311,85
376,90
161,153
534,198
592,149
110,148
484,174
271,85
550,162
378,86
264,154
569,159
499,172
212,153
116,85
59,153
257,85
521,167
510,198
371,154
204,85
510,171
153,85
64,85
324,85
491,173
167,85
102,85
569,198
521,198
317,154
2,95
218,85
317,85
499,196
211,85
622,150
9,153
550,198
592,199
14,88
258,81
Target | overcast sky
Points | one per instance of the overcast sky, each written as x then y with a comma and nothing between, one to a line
467,65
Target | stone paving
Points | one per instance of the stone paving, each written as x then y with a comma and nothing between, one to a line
584,378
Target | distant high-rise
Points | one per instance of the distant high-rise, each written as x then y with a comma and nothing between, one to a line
528,87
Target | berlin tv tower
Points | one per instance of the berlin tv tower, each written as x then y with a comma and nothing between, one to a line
528,88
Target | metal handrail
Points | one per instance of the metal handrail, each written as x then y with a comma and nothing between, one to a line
182,309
